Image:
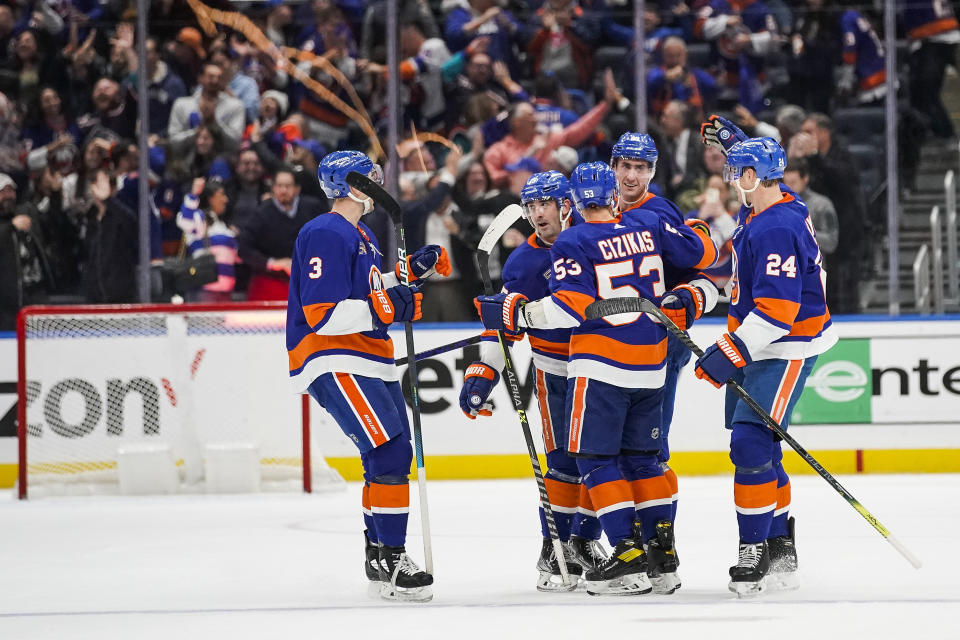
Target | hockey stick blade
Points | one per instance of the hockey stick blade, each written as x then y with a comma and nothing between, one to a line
504,220
601,308
383,199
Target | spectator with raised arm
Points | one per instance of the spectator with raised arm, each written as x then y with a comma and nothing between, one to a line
524,141
210,105
469,19
674,80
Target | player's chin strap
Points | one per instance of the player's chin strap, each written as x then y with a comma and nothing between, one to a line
744,192
366,202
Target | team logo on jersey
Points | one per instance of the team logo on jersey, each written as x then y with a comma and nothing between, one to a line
375,278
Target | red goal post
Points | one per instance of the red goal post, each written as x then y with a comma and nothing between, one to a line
95,381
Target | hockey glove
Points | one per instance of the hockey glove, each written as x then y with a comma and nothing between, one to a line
721,133
478,382
501,311
722,359
396,304
683,304
426,261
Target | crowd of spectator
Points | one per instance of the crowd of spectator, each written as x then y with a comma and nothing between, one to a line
519,86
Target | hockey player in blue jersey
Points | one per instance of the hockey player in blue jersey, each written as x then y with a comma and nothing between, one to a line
339,310
615,369
547,207
863,74
688,296
778,324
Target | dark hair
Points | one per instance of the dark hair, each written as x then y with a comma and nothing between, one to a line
209,190
822,120
799,165
546,85
286,169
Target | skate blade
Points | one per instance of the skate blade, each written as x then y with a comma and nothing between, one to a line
748,589
636,584
665,583
784,581
553,583
397,594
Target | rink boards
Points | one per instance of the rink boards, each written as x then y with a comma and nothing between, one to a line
885,399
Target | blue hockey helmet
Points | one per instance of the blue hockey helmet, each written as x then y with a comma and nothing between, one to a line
593,184
335,166
636,146
548,185
764,155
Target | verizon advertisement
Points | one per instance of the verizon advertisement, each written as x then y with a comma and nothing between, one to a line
217,385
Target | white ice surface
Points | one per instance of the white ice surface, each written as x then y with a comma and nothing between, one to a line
285,566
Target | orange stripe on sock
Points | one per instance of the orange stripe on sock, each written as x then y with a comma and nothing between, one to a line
366,416
584,500
650,489
562,494
389,495
671,477
754,496
783,496
576,415
610,493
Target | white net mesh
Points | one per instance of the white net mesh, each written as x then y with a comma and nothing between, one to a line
99,383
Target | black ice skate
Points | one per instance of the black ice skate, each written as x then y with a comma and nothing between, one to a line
784,571
550,577
400,577
589,554
662,560
624,573
371,566
749,576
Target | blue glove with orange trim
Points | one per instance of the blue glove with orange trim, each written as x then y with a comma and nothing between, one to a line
501,311
396,304
683,304
426,261
722,359
478,382
721,133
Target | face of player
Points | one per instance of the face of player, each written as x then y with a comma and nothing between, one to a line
746,185
633,178
545,218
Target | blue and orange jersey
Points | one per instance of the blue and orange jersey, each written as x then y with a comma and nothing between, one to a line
334,262
756,18
651,208
924,19
623,257
528,271
862,50
777,296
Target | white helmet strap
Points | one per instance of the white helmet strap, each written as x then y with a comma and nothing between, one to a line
744,192
366,202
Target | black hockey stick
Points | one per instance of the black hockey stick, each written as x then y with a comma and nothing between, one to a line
382,198
491,236
429,353
613,306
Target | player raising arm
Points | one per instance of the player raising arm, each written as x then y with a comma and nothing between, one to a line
615,371
777,326
546,205
339,310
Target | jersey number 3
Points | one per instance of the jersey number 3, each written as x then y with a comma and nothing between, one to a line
317,264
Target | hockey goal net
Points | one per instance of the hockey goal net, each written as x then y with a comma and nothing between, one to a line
95,383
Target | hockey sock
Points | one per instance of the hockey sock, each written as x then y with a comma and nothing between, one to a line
390,504
754,481
368,522
611,496
671,477
585,523
651,491
386,468
779,525
563,495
